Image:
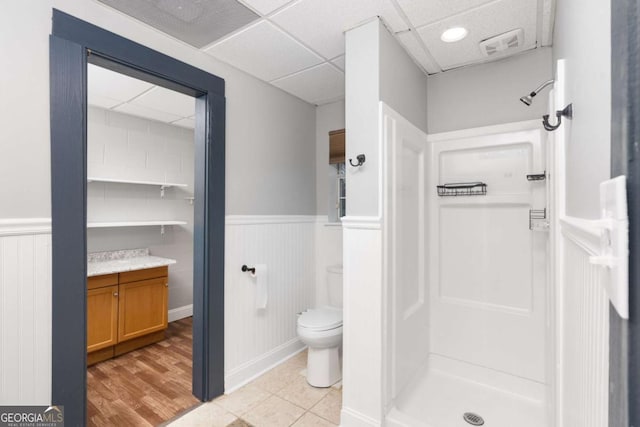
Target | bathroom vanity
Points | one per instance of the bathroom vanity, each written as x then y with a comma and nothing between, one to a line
127,296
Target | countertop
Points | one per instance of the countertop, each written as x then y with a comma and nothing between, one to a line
119,261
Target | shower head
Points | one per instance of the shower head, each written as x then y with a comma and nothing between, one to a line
528,99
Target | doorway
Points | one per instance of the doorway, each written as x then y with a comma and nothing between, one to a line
73,45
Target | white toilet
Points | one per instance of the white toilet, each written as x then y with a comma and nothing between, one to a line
321,330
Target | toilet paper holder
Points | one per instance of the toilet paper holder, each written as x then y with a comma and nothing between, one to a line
249,269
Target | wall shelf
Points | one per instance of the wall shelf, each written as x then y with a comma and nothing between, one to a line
118,224
162,185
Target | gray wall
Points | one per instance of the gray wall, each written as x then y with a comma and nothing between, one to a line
127,147
403,86
489,94
583,37
270,134
377,69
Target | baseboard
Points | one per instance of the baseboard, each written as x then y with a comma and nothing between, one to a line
351,418
180,312
247,372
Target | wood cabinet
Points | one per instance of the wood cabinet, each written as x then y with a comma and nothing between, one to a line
125,311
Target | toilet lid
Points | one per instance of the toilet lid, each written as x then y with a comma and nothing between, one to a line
321,319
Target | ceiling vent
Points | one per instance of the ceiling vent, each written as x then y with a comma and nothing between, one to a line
508,41
196,22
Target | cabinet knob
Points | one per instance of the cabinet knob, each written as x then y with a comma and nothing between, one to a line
167,284
115,294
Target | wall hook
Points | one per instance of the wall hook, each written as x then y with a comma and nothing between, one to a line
567,112
360,158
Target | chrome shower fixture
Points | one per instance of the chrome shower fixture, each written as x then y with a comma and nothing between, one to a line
528,99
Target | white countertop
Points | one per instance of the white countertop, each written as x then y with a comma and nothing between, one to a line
120,261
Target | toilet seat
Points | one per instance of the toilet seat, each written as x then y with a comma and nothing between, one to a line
321,319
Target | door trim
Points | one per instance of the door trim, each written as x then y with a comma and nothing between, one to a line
73,44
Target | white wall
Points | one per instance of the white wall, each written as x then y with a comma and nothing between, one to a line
127,147
582,36
489,94
270,139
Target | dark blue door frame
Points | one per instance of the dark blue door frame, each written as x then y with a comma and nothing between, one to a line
73,44
624,356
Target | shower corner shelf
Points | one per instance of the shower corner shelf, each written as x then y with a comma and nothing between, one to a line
462,189
537,176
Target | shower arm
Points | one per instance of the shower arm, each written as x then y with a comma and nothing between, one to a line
542,86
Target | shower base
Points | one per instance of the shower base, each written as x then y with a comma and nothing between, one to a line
439,398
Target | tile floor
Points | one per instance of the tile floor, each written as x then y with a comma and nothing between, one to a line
279,398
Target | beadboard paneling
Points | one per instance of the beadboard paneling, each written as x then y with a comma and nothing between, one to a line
25,312
585,330
256,339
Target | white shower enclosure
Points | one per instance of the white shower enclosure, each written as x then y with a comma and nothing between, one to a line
468,327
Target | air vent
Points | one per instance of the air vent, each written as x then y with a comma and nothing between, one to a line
197,22
504,42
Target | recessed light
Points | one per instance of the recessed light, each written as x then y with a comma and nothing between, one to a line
454,34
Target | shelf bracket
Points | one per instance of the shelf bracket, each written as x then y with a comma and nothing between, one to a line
162,230
162,188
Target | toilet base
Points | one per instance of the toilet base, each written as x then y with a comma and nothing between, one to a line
323,366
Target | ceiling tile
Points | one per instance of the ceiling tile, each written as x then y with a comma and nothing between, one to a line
321,24
101,101
421,12
483,23
185,123
339,62
264,51
411,42
316,85
265,7
109,84
168,101
148,113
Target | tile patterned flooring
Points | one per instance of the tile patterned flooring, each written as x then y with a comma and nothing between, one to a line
279,398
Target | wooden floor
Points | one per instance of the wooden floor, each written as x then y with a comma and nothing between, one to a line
145,387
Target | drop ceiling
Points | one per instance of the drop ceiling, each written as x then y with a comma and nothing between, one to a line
298,45
114,91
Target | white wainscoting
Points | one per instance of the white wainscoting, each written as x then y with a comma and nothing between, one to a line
256,340
25,311
362,364
585,339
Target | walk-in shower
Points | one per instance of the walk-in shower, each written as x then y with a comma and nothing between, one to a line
470,335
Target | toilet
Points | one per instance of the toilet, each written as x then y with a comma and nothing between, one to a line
321,330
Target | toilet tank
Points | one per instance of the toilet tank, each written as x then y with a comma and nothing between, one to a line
334,285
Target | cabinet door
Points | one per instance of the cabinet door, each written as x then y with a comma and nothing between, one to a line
143,308
102,317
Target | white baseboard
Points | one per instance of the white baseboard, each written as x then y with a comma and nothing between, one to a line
247,372
180,312
351,418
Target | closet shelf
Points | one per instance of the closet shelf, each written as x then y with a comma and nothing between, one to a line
162,185
118,224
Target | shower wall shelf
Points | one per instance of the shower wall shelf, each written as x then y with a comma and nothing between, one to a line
536,215
162,185
463,189
537,176
119,224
